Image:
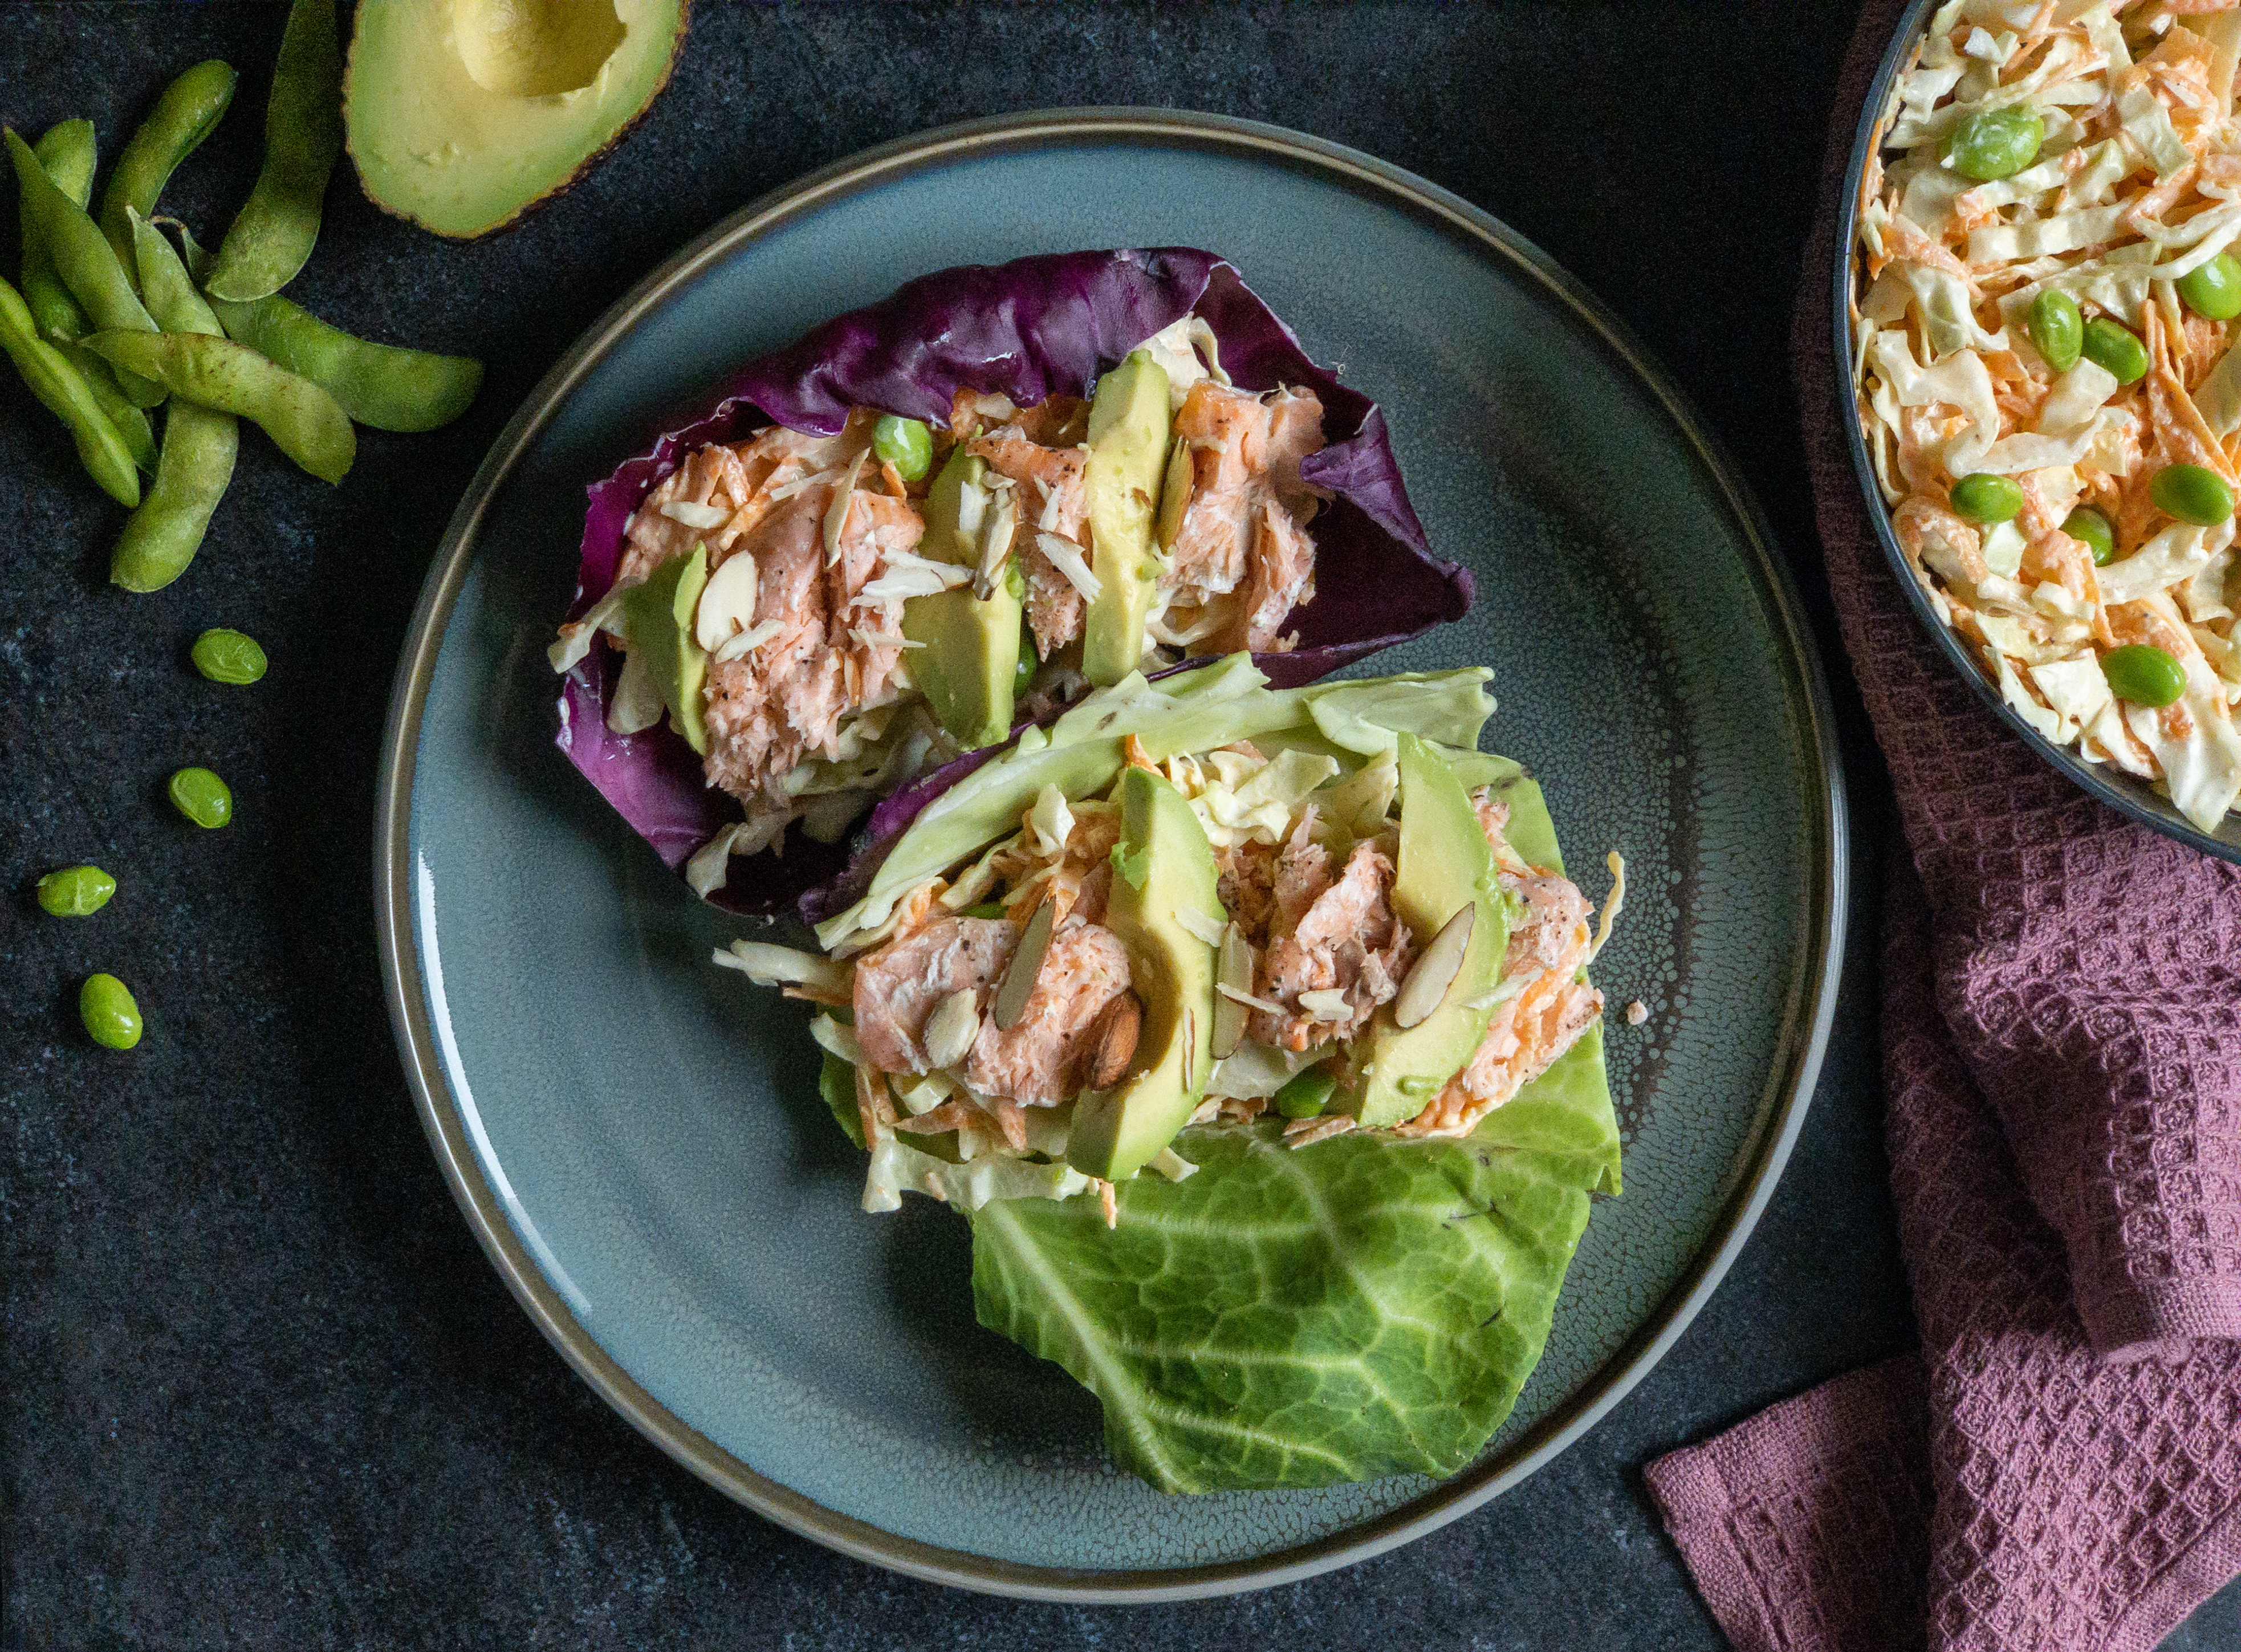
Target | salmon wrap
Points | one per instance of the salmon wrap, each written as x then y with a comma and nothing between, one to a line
1226,1011
936,521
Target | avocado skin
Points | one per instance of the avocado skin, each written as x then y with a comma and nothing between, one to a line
1116,1132
969,666
660,614
1128,428
1445,859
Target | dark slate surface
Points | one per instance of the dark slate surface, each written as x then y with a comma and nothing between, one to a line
259,1387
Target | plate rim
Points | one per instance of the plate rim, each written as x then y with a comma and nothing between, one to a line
2133,798
1799,1046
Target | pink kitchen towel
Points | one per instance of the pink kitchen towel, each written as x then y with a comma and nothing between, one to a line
2062,1048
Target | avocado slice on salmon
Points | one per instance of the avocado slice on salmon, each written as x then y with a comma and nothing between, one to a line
1162,866
1129,422
969,667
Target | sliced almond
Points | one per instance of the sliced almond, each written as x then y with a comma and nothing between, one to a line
1435,971
996,547
1229,1015
836,515
952,1027
1118,1030
728,601
1190,1051
1018,984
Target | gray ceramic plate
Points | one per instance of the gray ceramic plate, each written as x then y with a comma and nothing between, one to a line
635,1136
2121,791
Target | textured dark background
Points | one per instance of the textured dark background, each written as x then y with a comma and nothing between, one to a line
257,1386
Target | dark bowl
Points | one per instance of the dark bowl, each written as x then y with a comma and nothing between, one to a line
2121,791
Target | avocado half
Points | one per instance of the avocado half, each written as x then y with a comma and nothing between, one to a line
462,115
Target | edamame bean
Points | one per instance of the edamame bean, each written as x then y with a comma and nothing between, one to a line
2213,289
1996,143
1307,1093
274,232
383,386
111,1018
76,892
2057,329
83,259
2097,531
1029,662
985,909
2192,493
2116,347
199,443
62,390
229,657
2144,673
904,443
188,111
1985,497
302,420
202,797
65,153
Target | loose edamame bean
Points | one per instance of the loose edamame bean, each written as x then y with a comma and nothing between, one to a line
2116,347
83,260
1029,662
1996,143
2057,329
302,420
76,892
202,797
2144,673
383,386
274,232
1307,1093
2192,493
111,1018
2098,533
904,443
188,111
200,444
2213,289
1985,497
62,390
65,153
229,657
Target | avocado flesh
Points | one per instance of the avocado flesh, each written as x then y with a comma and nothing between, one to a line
1128,427
1445,859
1162,865
460,115
971,659
659,618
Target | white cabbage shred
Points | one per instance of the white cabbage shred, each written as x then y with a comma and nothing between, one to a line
2135,185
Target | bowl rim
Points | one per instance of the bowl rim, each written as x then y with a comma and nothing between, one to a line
2134,798
1808,1013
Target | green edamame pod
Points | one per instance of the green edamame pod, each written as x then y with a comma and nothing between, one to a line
188,112
302,420
83,259
131,425
65,153
379,385
62,390
273,234
199,444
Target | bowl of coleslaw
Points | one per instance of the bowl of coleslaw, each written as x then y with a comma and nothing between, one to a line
2039,300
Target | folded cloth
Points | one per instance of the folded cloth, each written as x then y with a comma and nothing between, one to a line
2063,1052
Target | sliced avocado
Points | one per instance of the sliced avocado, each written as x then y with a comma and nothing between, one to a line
1128,425
659,621
1445,860
969,664
1162,865
460,115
